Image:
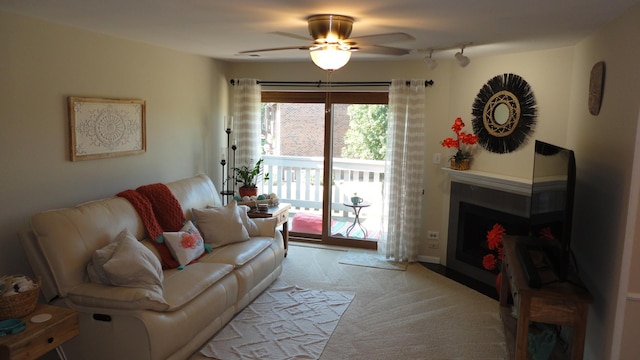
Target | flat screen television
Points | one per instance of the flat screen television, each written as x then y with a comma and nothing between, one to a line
546,254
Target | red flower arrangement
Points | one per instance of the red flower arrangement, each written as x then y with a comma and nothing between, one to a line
462,138
494,242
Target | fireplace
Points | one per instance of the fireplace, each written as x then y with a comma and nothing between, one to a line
473,210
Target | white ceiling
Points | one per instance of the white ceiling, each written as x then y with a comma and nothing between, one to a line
222,28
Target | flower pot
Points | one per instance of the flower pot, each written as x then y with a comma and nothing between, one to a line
248,191
460,165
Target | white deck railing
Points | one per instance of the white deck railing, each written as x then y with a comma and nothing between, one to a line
298,180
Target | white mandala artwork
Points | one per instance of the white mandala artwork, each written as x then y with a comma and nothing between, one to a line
106,127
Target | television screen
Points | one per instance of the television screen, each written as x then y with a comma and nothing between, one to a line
551,212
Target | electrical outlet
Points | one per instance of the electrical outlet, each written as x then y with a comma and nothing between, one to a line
433,235
436,158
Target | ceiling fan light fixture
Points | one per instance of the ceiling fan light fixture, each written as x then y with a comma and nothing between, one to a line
330,27
462,60
330,58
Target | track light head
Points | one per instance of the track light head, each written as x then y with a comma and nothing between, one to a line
431,64
462,60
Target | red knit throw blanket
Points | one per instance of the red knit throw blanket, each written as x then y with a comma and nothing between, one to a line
160,211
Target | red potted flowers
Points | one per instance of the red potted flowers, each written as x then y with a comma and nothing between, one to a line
462,142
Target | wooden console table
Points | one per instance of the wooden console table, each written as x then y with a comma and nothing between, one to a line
561,303
40,338
281,212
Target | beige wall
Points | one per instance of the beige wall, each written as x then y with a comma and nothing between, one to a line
187,95
40,66
604,147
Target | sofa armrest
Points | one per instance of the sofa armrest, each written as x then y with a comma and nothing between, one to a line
266,226
116,297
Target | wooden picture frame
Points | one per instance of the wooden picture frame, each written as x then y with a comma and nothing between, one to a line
103,128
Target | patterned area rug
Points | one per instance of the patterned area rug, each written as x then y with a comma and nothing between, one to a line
370,259
284,322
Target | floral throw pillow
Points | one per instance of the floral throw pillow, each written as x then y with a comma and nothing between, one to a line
185,245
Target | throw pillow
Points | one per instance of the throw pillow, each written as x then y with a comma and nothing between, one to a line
249,224
133,265
220,225
185,245
95,268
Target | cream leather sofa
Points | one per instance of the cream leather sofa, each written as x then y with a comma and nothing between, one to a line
202,297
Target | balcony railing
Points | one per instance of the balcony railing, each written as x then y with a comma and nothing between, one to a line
298,180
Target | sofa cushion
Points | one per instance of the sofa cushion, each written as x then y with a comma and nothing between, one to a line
67,238
220,225
182,286
185,245
116,297
240,253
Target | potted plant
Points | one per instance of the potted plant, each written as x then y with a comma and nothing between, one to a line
249,176
463,142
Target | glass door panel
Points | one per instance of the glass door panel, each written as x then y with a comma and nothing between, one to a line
358,143
293,147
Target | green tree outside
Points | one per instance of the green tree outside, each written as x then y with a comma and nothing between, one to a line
366,138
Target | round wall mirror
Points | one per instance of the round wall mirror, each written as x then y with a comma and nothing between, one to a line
504,113
501,114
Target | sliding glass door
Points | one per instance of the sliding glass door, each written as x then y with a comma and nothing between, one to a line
325,155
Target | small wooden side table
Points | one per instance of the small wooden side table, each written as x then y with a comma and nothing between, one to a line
281,212
561,303
40,338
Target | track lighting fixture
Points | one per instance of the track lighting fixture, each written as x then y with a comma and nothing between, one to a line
431,64
462,60
459,56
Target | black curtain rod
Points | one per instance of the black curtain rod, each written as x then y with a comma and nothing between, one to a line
321,83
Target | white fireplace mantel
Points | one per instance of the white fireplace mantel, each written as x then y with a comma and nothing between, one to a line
506,183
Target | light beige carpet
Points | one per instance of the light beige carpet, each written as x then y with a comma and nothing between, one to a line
370,259
284,322
412,314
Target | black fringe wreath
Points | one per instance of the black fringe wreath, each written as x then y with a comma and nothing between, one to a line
525,124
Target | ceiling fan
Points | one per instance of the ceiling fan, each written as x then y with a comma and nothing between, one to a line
331,46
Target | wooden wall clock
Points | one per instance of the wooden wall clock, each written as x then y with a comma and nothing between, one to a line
596,87
504,113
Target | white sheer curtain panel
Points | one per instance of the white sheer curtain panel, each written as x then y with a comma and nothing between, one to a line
404,171
247,100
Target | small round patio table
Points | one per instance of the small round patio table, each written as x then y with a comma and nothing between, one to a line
356,221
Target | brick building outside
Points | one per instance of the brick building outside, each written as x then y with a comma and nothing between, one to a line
301,129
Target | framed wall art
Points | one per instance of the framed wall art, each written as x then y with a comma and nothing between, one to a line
103,128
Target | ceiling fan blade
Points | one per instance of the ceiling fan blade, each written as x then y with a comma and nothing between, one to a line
382,50
290,35
275,49
380,39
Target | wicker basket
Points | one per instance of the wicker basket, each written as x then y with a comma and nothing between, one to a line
21,304
460,165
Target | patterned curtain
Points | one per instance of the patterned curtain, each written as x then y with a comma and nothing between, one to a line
247,100
404,171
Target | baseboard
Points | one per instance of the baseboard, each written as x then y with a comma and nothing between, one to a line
429,259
